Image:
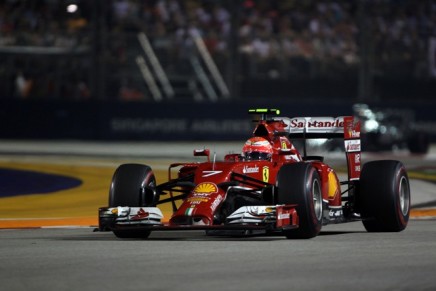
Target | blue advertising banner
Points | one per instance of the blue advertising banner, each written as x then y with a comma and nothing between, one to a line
23,119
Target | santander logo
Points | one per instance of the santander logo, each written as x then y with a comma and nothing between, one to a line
248,170
299,123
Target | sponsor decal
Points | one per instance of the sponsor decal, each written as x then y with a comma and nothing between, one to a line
351,128
333,213
354,161
257,143
217,202
248,170
200,195
295,123
284,215
197,200
265,174
211,173
284,145
189,211
206,188
141,214
352,145
353,134
121,211
357,158
333,185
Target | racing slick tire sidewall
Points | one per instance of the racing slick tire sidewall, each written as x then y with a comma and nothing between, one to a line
300,184
384,196
126,190
127,184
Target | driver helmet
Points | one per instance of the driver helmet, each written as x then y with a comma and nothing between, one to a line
257,148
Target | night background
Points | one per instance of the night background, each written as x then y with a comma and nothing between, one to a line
155,70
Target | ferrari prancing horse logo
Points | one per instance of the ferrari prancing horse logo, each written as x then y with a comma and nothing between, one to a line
265,174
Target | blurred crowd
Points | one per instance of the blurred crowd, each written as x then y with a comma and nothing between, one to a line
302,32
274,39
46,23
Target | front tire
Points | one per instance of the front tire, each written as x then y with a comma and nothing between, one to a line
300,184
385,196
132,185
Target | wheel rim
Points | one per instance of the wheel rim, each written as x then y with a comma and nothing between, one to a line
317,199
404,193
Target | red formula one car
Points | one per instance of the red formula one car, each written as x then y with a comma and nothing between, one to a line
269,188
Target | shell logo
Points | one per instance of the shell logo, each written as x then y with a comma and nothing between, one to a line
206,188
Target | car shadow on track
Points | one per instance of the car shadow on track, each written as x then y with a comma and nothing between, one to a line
190,236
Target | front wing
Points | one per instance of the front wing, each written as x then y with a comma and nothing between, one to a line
268,218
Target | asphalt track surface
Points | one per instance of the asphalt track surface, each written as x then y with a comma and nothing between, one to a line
47,240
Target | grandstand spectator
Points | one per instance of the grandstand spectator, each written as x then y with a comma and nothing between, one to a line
289,38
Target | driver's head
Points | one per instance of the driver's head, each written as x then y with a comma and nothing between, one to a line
257,148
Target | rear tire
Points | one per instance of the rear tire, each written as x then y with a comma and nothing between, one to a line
385,196
300,184
419,143
127,189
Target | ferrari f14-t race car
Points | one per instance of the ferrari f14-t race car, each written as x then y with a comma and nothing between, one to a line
269,188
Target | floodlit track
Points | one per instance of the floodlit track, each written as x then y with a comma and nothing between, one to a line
342,257
93,163
47,240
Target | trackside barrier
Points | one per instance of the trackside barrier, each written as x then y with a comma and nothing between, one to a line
91,120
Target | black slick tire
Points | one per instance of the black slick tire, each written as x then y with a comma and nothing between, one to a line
385,196
300,184
127,189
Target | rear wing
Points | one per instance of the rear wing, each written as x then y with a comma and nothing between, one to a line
314,127
346,127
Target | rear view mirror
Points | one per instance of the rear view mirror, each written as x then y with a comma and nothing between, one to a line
202,153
